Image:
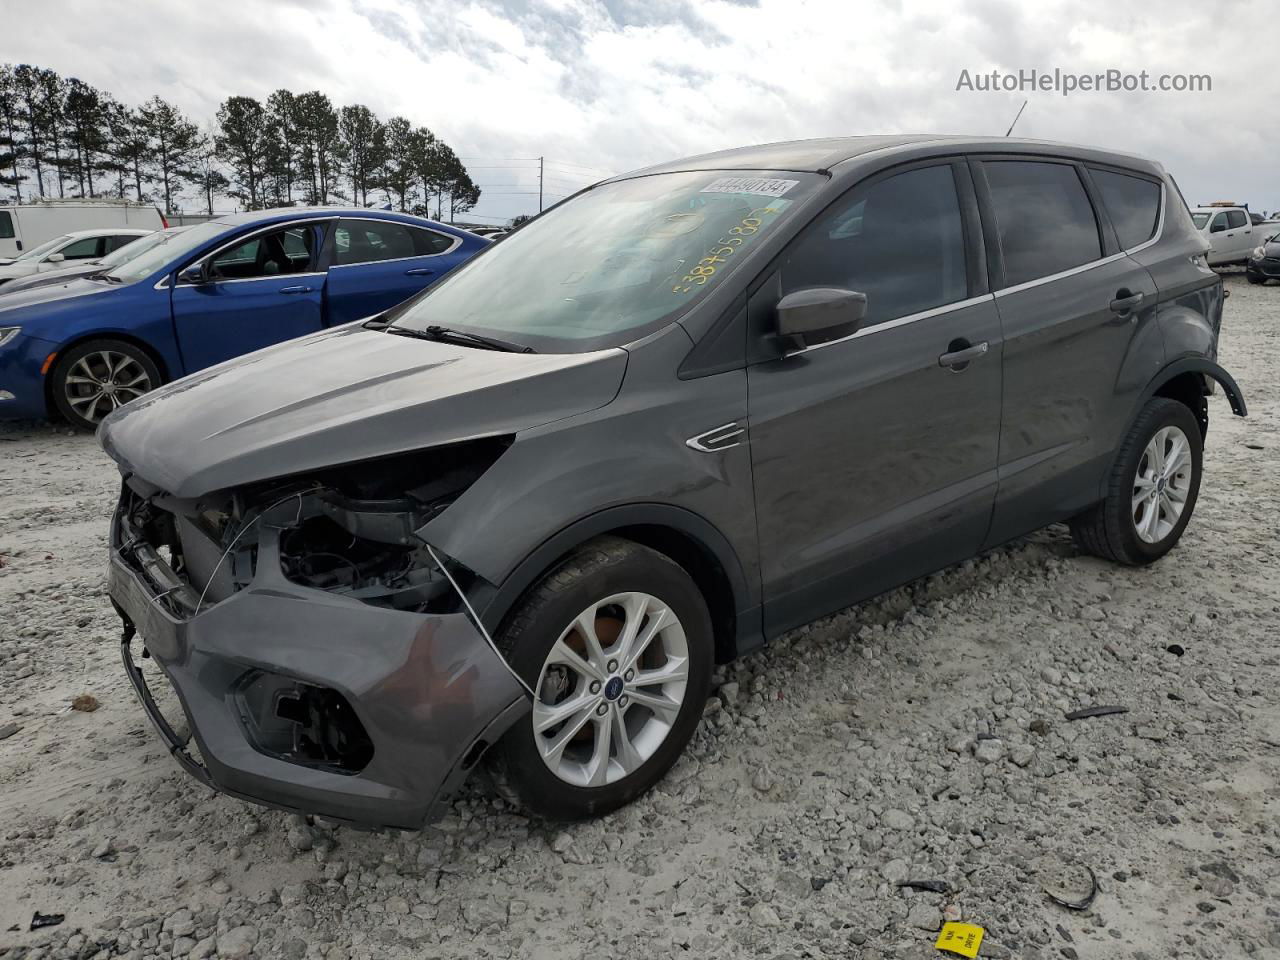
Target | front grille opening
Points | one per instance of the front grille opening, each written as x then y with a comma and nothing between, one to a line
302,723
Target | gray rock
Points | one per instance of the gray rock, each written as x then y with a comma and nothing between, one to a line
897,820
895,871
180,923
762,780
924,916
989,751
8,730
237,942
1022,754
763,915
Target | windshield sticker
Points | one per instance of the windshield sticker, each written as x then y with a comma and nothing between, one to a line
726,247
759,186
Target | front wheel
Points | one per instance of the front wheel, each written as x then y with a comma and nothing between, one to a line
1256,279
1152,491
94,378
616,643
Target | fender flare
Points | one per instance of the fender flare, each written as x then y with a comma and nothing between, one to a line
1203,367
580,531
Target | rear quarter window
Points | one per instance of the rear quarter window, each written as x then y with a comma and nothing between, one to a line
1133,204
6,225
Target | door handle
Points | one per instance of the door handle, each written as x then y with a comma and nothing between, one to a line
962,354
299,289
419,272
1126,301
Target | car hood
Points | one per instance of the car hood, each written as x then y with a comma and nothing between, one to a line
41,298
342,396
13,270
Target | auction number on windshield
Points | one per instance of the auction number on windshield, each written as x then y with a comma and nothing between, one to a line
723,251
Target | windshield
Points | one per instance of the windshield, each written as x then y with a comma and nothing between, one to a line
170,247
35,253
1200,219
614,263
137,247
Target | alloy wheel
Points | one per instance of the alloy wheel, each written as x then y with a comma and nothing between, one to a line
611,689
1162,484
100,382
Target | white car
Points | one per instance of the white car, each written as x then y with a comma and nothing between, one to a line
25,226
1230,233
67,249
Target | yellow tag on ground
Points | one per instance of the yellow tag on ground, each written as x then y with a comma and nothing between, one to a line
960,938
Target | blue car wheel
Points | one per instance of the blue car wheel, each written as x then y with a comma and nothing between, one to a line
94,378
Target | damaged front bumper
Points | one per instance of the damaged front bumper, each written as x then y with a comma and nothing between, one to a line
311,701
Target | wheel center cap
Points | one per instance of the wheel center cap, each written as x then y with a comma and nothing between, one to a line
613,688
1160,485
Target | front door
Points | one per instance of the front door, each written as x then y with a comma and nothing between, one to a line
874,457
253,293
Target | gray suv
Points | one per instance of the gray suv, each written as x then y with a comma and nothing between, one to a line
523,516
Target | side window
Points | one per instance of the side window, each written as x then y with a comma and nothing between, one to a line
280,252
84,249
368,241
1044,218
1133,203
1235,218
6,225
428,242
1219,222
900,241
118,241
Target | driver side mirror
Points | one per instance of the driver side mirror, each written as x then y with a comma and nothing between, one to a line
55,257
192,274
818,314
1217,228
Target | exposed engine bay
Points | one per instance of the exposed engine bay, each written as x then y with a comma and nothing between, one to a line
348,530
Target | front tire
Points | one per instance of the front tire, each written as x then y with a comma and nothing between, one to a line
617,644
94,378
1152,490
1256,279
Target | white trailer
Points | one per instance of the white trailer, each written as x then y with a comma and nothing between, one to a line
26,226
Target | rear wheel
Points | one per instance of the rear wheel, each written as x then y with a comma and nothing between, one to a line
1256,279
1152,489
617,645
94,378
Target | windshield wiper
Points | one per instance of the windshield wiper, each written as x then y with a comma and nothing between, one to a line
435,332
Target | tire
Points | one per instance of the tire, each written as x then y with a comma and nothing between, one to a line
586,781
1253,279
94,378
1136,524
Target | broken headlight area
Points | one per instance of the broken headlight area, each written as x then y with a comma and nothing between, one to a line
347,530
302,723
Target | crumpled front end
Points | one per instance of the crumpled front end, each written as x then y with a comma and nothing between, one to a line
324,661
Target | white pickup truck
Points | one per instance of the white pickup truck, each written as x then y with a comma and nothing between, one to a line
1229,230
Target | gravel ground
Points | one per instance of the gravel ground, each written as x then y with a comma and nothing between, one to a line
917,737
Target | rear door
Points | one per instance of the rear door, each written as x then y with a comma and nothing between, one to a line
259,289
1072,306
376,264
1240,233
874,456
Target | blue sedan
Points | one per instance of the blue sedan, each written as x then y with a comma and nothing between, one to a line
210,293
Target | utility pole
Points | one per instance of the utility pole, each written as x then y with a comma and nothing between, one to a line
540,159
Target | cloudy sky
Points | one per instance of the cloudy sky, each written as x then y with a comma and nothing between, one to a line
602,86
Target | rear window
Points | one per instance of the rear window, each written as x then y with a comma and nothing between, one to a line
6,225
1133,203
1236,218
1044,218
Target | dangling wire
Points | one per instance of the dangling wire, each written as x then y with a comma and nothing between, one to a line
479,623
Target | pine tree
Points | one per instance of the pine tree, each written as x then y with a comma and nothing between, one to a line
173,146
242,141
